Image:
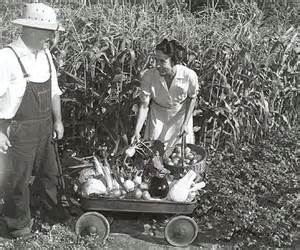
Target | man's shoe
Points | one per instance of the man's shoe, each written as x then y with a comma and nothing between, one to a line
57,214
23,232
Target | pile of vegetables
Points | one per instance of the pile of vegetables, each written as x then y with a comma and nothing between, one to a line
148,180
189,157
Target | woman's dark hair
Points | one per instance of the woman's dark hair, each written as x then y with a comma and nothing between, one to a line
171,48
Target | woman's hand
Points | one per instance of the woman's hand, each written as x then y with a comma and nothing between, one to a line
135,138
183,130
4,143
58,130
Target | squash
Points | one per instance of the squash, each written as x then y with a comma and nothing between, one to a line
198,186
180,190
92,186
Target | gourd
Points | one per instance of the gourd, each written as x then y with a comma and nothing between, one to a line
85,174
179,192
93,186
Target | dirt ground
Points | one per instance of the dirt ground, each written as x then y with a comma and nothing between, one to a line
125,233
134,231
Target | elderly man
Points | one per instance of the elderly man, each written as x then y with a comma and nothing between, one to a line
30,115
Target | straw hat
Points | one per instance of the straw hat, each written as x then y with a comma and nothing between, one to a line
40,16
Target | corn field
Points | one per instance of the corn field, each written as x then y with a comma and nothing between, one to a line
247,64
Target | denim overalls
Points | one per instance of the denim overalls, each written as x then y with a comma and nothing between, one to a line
32,153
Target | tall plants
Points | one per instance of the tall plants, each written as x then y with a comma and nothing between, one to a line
246,62
247,68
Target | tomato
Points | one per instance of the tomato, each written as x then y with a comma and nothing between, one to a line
190,156
177,149
195,161
169,162
174,155
187,150
175,161
187,161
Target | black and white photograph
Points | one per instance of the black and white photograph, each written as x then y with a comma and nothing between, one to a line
150,124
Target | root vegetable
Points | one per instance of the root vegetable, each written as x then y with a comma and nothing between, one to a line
116,193
130,151
115,184
137,179
138,193
146,195
129,185
144,186
187,150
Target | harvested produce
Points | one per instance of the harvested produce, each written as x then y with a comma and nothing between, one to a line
92,186
146,195
137,179
190,157
115,184
154,182
98,166
86,174
130,151
158,187
138,193
129,185
181,189
144,186
107,174
115,193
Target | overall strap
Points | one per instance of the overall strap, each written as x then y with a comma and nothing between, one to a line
50,68
25,74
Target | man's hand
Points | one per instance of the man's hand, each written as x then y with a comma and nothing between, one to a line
183,130
4,143
58,130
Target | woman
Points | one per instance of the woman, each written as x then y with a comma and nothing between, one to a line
168,97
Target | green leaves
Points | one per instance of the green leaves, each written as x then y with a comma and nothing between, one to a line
251,196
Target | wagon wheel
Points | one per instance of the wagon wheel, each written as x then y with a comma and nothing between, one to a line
92,223
181,231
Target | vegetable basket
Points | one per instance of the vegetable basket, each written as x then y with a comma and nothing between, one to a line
198,166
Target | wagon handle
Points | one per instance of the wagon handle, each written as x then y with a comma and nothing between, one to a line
183,144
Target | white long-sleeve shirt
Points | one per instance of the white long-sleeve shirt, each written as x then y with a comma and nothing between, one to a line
12,81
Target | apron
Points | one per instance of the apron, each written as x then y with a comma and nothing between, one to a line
32,152
164,123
